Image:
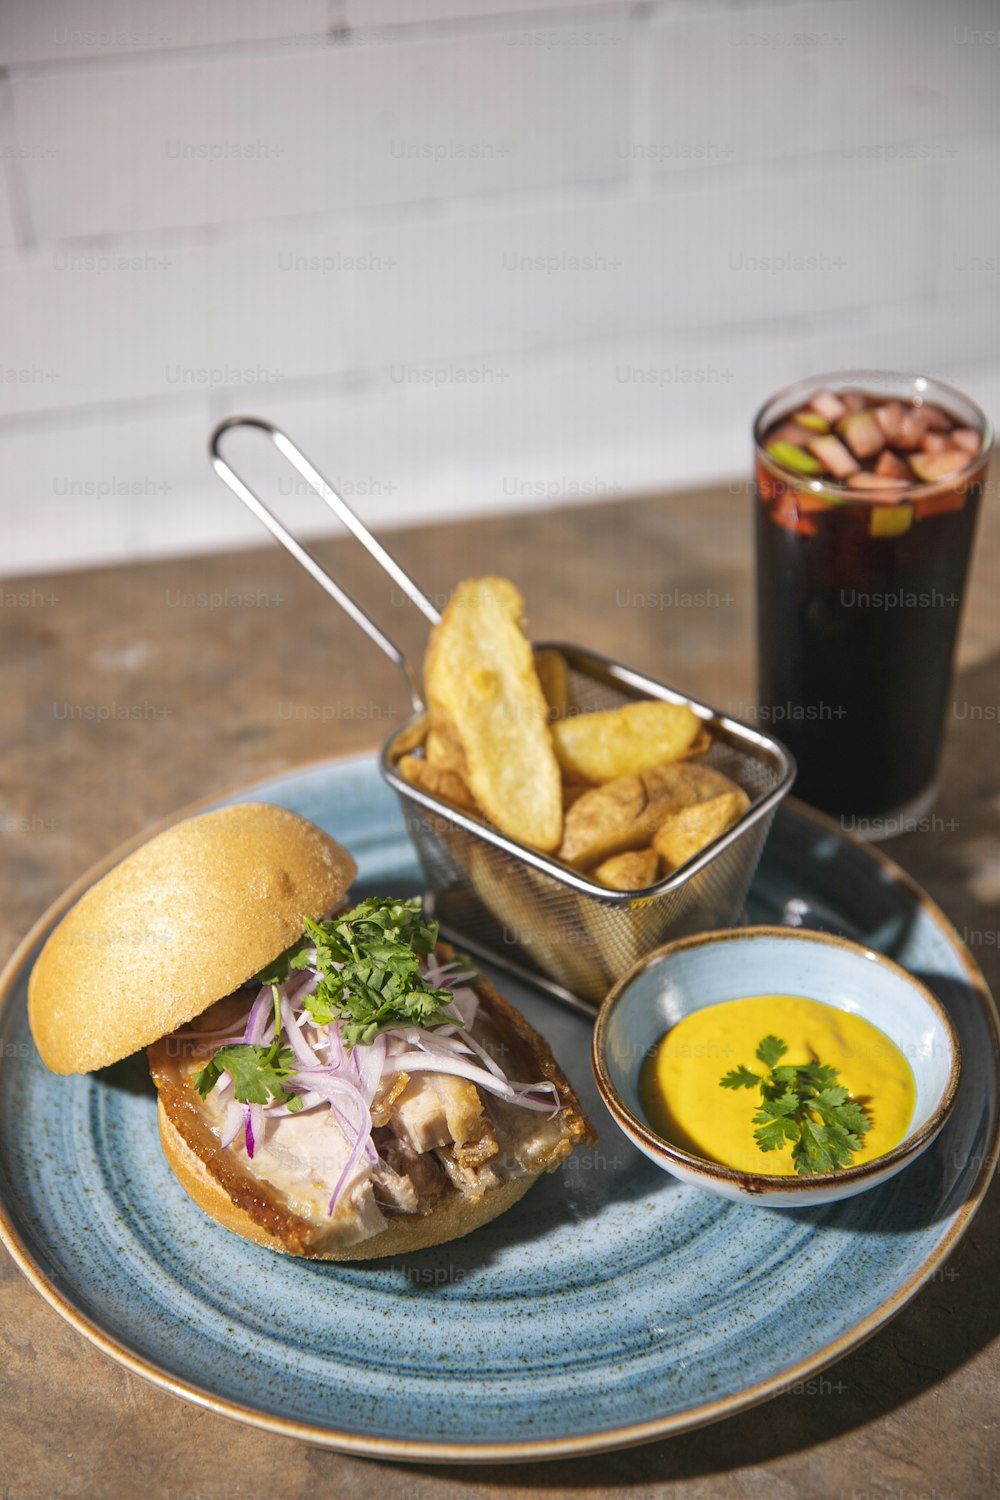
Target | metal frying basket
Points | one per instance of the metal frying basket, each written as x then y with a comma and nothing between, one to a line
525,910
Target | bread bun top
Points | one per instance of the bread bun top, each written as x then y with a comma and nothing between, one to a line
185,919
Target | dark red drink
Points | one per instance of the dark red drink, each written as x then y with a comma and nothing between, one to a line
868,490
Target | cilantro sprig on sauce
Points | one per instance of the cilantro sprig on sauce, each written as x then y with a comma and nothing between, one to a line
804,1106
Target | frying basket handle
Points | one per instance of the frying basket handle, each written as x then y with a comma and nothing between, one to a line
343,511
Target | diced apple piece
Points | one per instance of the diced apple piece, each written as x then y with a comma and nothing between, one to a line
935,418
828,405
890,520
936,442
911,431
864,480
932,466
968,439
889,417
889,465
794,458
791,432
864,435
834,457
812,420
854,400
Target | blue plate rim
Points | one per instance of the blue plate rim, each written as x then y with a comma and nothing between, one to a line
520,1451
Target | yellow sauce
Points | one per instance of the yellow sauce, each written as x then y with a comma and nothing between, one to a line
679,1085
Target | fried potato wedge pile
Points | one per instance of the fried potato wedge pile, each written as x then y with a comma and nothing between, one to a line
631,813
618,794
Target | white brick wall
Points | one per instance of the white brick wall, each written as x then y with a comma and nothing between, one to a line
56,31
263,135
474,255
861,81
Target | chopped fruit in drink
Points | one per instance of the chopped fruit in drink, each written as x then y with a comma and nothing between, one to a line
769,487
833,456
786,513
911,431
828,405
807,504
933,466
890,520
864,436
936,442
935,418
890,466
880,449
794,458
812,420
791,432
940,505
889,417
866,480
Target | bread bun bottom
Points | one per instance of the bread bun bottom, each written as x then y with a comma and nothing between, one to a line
453,1217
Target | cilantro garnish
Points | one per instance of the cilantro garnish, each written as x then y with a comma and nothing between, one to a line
368,960
804,1105
258,1073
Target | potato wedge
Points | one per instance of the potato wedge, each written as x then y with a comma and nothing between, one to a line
625,813
553,674
440,781
572,791
411,737
480,679
627,741
684,833
631,871
699,745
443,749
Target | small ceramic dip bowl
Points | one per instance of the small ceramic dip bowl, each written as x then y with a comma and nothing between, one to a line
710,968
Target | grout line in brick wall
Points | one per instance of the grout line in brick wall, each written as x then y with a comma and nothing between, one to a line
339,34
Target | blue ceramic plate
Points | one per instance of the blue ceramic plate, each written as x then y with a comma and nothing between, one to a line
612,1305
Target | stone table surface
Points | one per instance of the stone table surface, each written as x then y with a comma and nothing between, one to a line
130,692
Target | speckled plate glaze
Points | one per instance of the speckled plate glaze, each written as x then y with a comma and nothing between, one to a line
612,1305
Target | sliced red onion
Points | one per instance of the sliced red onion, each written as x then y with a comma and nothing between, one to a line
298,986
232,1123
466,1004
482,1054
442,1039
303,1052
370,1066
515,1093
223,1083
442,976
257,1019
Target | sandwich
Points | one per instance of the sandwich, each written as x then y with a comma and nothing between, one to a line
332,1080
